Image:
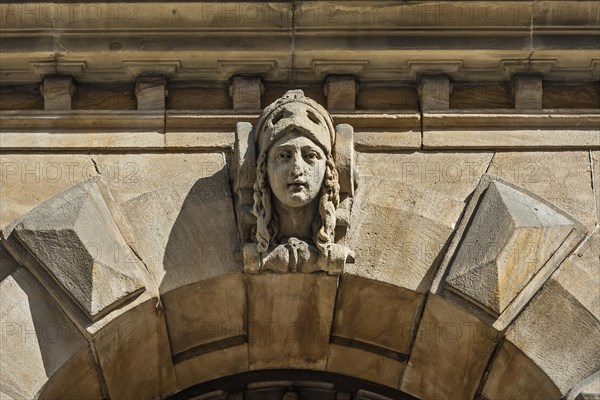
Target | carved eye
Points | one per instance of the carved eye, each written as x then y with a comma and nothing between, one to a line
282,155
311,155
312,117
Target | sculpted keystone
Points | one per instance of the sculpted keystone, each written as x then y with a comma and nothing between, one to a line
290,200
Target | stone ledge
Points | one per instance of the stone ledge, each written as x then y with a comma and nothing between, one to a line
508,129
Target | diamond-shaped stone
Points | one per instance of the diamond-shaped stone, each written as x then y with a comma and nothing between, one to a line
76,241
510,238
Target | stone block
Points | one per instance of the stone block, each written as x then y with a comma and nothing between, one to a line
596,176
365,365
341,93
42,350
212,365
434,92
453,175
510,237
30,179
527,91
205,312
562,178
132,347
246,93
451,351
77,243
512,375
191,235
376,313
558,334
399,231
57,92
151,93
581,274
289,320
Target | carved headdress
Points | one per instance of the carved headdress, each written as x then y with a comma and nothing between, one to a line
295,112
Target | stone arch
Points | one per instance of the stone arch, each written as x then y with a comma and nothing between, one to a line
145,339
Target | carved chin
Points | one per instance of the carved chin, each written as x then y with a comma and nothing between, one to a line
297,197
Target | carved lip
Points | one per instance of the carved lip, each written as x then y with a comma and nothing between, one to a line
297,186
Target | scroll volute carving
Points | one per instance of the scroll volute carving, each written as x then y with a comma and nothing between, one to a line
294,183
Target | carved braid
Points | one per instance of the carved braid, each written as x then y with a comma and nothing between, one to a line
262,204
328,203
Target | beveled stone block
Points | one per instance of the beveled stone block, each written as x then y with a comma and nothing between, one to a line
510,238
76,241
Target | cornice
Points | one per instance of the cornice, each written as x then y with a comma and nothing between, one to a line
279,41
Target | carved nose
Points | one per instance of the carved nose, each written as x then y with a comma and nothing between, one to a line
297,169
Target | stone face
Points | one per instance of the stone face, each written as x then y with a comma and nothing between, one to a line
528,92
558,334
76,240
434,92
561,178
365,365
398,232
513,375
39,343
150,93
450,353
289,319
206,312
509,239
390,327
57,92
341,93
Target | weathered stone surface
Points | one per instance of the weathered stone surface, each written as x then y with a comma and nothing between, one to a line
480,96
109,97
212,365
434,92
596,176
561,178
191,235
246,93
558,334
27,180
150,93
581,274
376,313
513,375
57,92
132,175
289,319
75,239
365,365
340,92
386,97
510,238
558,95
135,339
205,312
590,389
39,341
398,231
454,175
527,90
450,354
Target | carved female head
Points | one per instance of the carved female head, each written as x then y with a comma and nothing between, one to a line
295,164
